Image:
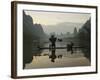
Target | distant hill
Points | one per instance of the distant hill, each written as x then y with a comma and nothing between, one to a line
62,27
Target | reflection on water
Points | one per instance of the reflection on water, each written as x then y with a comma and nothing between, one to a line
50,58
53,55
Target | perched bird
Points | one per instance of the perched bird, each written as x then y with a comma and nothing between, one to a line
60,40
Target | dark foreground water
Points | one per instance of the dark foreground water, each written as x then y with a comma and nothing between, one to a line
58,58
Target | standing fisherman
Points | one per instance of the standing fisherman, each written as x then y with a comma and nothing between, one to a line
71,47
53,39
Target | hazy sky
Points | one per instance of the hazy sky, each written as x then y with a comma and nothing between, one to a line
55,18
52,18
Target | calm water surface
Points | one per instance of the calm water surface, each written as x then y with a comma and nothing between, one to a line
58,58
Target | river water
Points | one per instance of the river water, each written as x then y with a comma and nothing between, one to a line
58,58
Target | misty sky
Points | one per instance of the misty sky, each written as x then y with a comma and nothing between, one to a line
54,18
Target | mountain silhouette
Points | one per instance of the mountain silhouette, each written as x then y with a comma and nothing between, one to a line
31,32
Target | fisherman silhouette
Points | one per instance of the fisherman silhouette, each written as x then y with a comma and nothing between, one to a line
52,39
70,47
